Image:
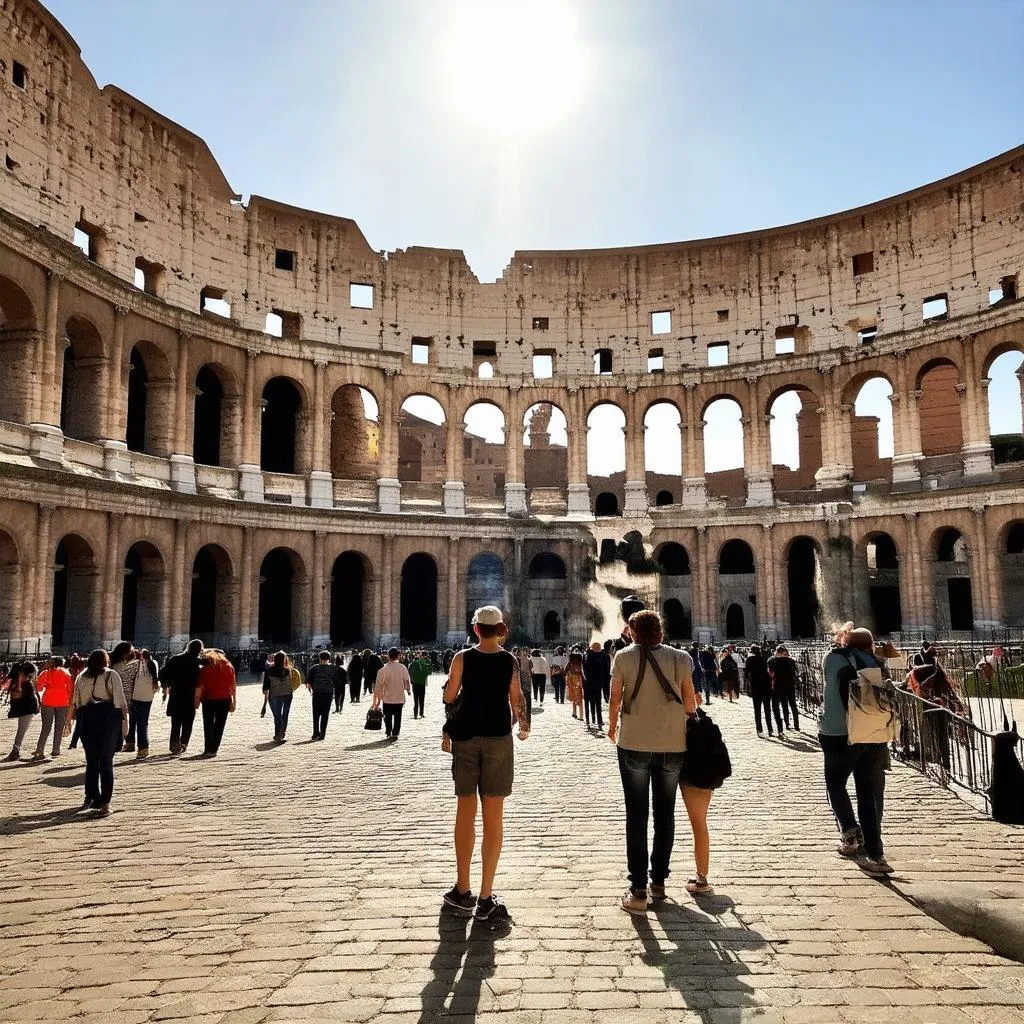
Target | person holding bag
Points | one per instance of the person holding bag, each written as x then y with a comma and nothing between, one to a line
101,711
652,685
24,704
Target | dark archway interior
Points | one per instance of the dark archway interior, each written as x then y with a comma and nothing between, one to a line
485,584
276,575
552,626
736,559
130,594
735,625
547,566
208,410
674,560
664,498
961,603
60,594
138,396
952,547
1015,539
419,600
802,571
677,620
72,615
202,617
609,551
884,587
607,504
281,405
348,579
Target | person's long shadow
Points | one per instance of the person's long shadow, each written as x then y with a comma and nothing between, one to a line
698,954
39,820
464,944
370,746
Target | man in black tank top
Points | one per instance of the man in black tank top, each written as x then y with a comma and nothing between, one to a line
484,699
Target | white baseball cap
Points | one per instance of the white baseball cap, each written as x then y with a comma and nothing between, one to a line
489,615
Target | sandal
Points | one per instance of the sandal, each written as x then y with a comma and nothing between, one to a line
697,885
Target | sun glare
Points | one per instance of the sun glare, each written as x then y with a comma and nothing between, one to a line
514,67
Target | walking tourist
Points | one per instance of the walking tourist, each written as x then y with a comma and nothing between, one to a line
216,695
709,672
372,664
277,686
321,681
556,670
539,669
340,680
355,677
100,708
179,679
651,738
24,704
729,674
392,684
147,682
485,680
419,673
759,682
76,663
55,688
574,683
597,673
866,762
124,661
782,669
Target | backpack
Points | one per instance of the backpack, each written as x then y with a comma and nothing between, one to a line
707,757
871,712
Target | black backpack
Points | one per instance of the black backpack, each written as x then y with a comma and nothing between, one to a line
707,757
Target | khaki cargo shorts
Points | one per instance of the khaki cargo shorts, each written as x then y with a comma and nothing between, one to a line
484,765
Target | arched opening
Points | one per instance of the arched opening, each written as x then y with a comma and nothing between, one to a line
547,566
803,573
939,409
1006,406
74,619
150,387
674,559
675,590
18,333
82,403
606,504
871,428
545,452
485,584
606,449
552,626
795,434
883,568
142,596
419,600
736,559
355,434
735,623
348,594
10,588
210,600
723,448
279,426
1013,575
483,444
138,400
953,595
208,412
422,438
663,451
677,620
277,601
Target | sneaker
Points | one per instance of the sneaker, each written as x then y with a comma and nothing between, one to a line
175,749
491,909
876,866
143,752
102,810
87,805
634,901
697,885
851,844
656,893
461,902
14,755
129,748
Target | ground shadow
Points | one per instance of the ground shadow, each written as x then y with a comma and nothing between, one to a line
697,950
8,765
43,819
369,746
269,745
461,965
65,781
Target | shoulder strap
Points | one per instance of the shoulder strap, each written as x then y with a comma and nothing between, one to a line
647,657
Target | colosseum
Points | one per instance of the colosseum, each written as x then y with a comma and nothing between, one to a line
236,419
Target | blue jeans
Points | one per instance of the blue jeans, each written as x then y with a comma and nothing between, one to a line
138,723
866,762
647,779
279,708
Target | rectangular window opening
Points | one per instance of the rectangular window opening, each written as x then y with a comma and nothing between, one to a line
87,238
867,335
540,323
603,361
360,296
543,365
420,351
284,259
485,349
863,263
785,341
723,315
661,322
291,323
19,75
656,361
274,325
934,308
148,276
718,353
1005,291
211,300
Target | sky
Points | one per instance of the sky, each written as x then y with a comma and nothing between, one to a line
496,125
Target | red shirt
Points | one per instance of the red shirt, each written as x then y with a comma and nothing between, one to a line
55,687
217,681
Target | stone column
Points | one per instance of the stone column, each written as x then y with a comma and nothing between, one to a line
43,578
321,632
836,470
922,604
578,492
977,444
321,483
757,445
985,574
180,590
389,489
456,634
389,620
907,455
47,440
115,448
250,474
183,469
769,616
704,609
454,489
515,476
636,503
695,493
247,622
113,581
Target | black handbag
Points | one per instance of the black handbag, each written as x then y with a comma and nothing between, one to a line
707,757
374,720
455,726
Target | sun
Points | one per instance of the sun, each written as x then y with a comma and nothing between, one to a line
513,67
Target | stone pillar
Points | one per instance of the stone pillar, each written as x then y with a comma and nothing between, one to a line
984,574
321,632
757,449
705,611
183,469
113,581
578,492
977,444
115,448
769,616
695,493
321,483
636,503
389,620
456,634
919,610
248,592
836,470
907,455
47,440
515,476
180,590
43,578
250,475
389,488
454,489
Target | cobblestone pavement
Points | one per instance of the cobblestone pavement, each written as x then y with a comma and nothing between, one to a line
302,883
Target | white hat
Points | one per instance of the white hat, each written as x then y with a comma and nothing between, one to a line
489,615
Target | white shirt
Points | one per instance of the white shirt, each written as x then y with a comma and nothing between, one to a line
539,665
393,683
104,687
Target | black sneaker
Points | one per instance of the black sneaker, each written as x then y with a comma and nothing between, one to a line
461,902
491,909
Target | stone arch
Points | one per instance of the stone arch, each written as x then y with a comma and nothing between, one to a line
1012,558
677,619
418,607
143,596
552,626
19,332
545,450
351,577
283,426
663,451
11,598
722,422
606,503
216,409
281,616
938,381
872,438
675,589
82,400
75,611
212,596
735,622
737,586
355,433
879,556
547,566
953,588
795,437
673,558
483,449
804,584
148,426
422,439
606,448
1004,376
485,583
